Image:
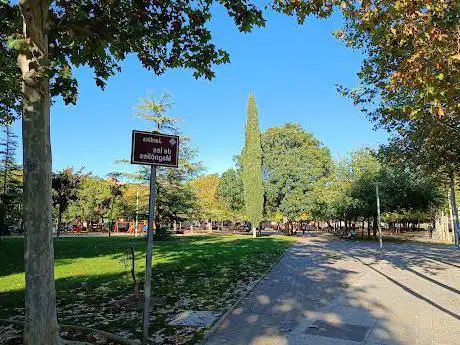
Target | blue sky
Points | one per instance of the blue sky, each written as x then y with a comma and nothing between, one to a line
291,70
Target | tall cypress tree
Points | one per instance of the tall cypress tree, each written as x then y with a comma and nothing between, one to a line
252,168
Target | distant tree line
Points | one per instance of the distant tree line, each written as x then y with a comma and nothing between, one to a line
302,184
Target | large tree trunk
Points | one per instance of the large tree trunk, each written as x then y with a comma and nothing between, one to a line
40,297
453,203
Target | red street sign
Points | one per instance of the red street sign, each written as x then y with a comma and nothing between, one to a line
155,149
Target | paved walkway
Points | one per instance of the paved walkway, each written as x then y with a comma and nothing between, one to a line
331,292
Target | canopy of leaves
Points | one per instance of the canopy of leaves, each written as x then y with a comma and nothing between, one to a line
135,197
351,193
294,163
410,75
92,201
412,63
405,191
65,185
100,34
10,89
428,144
210,207
230,190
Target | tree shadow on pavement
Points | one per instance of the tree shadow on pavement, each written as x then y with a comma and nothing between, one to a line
283,307
322,279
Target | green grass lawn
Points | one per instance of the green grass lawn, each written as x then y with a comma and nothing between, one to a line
95,288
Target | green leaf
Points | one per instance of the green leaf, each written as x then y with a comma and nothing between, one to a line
17,42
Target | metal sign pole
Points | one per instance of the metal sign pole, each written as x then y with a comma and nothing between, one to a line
154,149
148,259
378,216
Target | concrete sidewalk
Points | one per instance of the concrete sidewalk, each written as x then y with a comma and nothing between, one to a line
334,292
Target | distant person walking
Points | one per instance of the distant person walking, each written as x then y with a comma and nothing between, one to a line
352,234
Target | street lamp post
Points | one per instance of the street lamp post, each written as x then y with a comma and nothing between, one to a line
378,216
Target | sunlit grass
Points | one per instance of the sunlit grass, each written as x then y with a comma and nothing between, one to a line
202,273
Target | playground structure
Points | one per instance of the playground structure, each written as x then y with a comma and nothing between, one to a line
129,227
119,226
